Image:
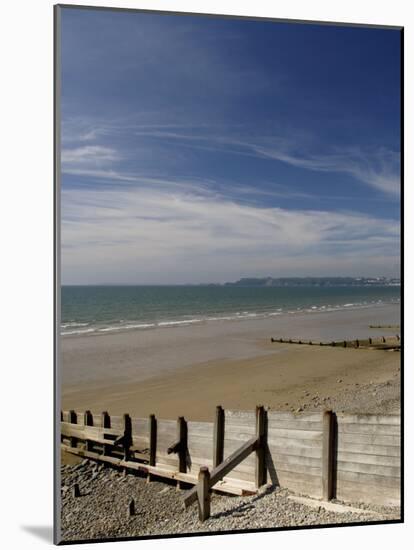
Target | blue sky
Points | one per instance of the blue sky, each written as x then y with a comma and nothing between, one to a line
199,149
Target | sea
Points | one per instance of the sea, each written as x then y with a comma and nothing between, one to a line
108,309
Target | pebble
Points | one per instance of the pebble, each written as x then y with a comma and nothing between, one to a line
100,512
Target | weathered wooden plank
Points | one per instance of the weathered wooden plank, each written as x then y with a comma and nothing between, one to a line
86,432
200,429
373,494
367,479
97,420
80,417
295,448
141,442
117,421
369,439
240,415
285,459
369,459
369,449
295,426
296,468
167,432
273,434
371,429
391,419
377,469
140,427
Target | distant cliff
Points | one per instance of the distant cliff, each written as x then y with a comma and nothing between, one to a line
315,281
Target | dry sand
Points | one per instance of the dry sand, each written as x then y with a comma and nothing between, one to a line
189,370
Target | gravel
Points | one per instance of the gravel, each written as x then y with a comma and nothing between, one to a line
377,398
101,510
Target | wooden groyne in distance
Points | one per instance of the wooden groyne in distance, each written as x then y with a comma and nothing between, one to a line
382,343
320,454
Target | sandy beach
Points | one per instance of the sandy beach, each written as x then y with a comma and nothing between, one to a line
189,370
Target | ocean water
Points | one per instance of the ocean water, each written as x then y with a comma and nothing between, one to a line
106,309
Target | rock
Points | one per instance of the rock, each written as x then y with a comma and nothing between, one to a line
339,380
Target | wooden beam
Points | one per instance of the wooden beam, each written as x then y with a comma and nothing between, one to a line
261,436
224,468
328,442
218,443
203,493
240,488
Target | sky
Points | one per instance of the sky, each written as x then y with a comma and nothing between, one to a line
201,149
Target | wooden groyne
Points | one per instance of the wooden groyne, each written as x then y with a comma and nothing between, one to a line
319,454
382,343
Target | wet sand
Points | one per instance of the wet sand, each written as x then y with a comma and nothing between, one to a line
189,370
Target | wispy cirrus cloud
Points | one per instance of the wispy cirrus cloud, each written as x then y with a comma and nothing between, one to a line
176,236
87,155
377,167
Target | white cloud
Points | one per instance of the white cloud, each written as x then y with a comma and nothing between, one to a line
89,155
379,169
144,235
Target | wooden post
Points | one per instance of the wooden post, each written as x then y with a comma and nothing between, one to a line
182,450
383,339
73,419
131,508
152,429
218,443
76,490
105,420
261,448
370,341
203,493
127,436
357,343
327,455
152,439
182,437
106,423
344,343
88,421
